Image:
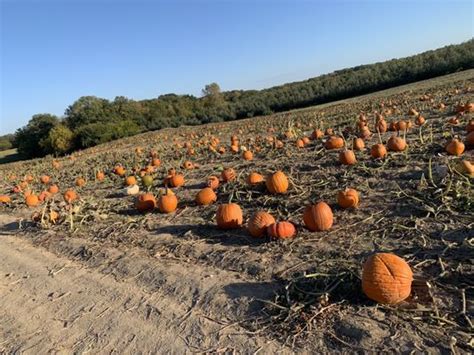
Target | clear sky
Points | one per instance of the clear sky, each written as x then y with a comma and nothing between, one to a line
53,51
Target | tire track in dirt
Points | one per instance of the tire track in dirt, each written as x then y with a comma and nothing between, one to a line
51,303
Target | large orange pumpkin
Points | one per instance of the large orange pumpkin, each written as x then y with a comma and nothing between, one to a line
386,278
277,183
229,216
258,223
318,217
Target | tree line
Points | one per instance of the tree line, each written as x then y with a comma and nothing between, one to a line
91,120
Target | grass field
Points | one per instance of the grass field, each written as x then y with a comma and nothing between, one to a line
98,275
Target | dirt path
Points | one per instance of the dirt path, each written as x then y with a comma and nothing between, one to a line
49,303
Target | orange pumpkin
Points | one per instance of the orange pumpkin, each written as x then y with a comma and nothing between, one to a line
347,157
168,202
348,198
386,278
176,180
130,180
145,202
396,144
334,142
213,182
317,134
45,179
318,217
32,200
358,144
247,155
281,230
258,223
5,199
254,178
70,196
300,143
206,196
455,147
228,174
119,170
53,189
229,216
80,182
277,183
420,120
378,151
100,175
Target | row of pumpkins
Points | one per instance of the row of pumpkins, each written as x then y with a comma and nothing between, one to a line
386,278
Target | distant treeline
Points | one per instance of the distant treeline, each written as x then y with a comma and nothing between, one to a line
91,120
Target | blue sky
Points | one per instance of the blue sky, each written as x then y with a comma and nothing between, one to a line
53,52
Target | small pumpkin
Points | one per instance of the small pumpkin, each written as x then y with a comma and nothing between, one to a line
247,155
206,196
45,179
5,199
147,180
145,202
299,143
317,134
281,230
318,217
53,189
348,198
455,147
32,200
100,175
258,223
213,182
228,174
358,144
119,170
229,216
130,180
255,178
396,144
176,180
347,157
168,202
70,196
420,120
132,190
334,142
80,182
378,151
386,278
277,183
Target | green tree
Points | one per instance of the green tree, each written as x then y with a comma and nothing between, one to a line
28,138
59,141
